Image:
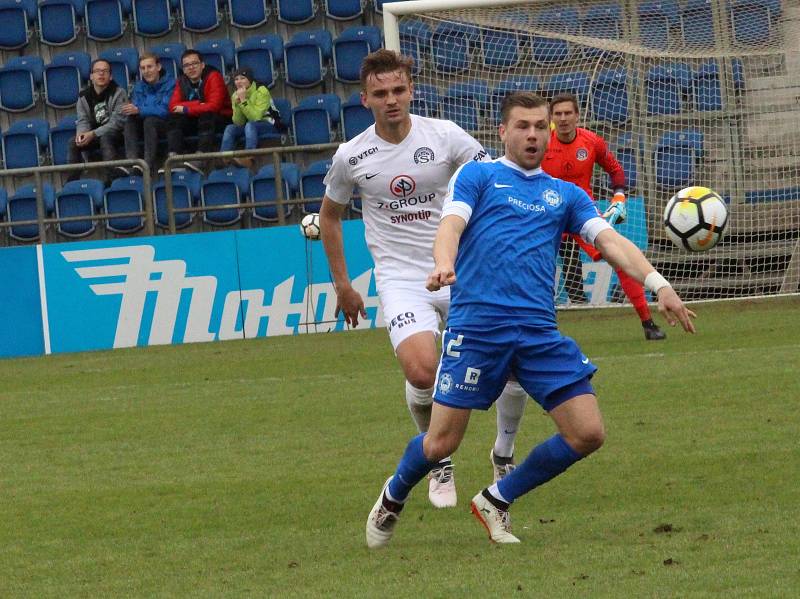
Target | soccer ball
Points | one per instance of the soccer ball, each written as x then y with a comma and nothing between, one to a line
309,226
695,218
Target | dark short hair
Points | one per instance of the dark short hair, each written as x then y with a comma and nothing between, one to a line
565,97
522,99
96,60
191,52
385,61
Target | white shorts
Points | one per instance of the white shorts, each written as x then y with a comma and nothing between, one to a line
410,308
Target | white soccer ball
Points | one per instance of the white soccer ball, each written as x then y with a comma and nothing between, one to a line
309,226
695,218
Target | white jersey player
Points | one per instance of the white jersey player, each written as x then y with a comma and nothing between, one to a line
401,167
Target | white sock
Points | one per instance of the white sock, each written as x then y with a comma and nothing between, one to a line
494,491
419,404
510,407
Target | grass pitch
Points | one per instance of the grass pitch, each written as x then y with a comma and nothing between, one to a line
247,469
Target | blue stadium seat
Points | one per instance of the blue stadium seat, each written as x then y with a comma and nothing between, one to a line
344,10
20,81
426,100
261,54
152,18
524,83
25,143
60,135
124,64
218,53
451,45
415,41
284,108
752,21
575,83
547,50
3,203
697,24
185,194
355,117
781,194
263,189
224,186
312,187
22,206
349,50
500,49
610,96
83,197
305,57
676,156
64,77
655,19
666,86
170,57
464,103
105,19
200,16
18,18
295,12
58,21
603,21
126,194
626,151
246,14
708,94
315,119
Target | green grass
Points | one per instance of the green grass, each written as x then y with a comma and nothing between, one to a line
246,469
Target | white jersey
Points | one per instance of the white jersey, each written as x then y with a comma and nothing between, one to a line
402,187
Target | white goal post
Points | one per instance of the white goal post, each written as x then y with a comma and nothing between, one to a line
685,93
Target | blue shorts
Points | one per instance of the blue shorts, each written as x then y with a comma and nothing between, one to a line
475,366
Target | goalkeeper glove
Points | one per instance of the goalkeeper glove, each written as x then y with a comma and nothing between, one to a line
616,211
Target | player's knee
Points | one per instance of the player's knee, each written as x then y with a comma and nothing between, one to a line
590,438
421,376
438,447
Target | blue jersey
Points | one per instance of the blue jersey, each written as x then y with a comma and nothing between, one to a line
506,261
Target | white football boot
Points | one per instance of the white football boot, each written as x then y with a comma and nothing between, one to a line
497,522
382,520
442,486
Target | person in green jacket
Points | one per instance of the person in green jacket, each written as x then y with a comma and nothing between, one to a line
253,114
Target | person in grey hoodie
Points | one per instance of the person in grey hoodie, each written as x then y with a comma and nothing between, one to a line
100,119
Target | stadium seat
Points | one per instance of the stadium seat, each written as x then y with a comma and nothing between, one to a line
83,197
415,41
60,135
349,50
548,50
626,151
22,206
697,24
464,103
200,16
20,80
263,189
676,155
18,18
152,18
285,110
575,83
315,119
295,12
344,10
708,94
655,19
217,53
355,117
170,56
105,19
610,96
666,86
185,194
64,77
525,83
126,194
261,54
58,21
224,186
603,22
305,58
246,14
499,49
426,100
25,143
312,187
451,47
3,203
751,21
124,64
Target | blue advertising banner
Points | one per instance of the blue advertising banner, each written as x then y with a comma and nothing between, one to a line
20,304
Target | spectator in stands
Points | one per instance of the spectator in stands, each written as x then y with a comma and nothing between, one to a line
100,120
146,113
253,112
199,105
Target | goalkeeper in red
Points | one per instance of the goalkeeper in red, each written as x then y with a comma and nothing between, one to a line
571,155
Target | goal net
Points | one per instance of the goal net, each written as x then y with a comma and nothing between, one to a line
695,92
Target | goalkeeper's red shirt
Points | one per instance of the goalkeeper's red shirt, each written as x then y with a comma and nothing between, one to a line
574,161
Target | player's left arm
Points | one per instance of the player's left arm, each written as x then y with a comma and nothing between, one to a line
617,210
622,254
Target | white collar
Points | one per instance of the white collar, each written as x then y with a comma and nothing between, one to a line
516,167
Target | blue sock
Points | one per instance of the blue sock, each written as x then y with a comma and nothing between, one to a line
412,468
547,460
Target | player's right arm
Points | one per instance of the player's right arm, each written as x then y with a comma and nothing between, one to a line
445,248
348,301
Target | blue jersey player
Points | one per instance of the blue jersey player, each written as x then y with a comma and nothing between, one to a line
497,245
